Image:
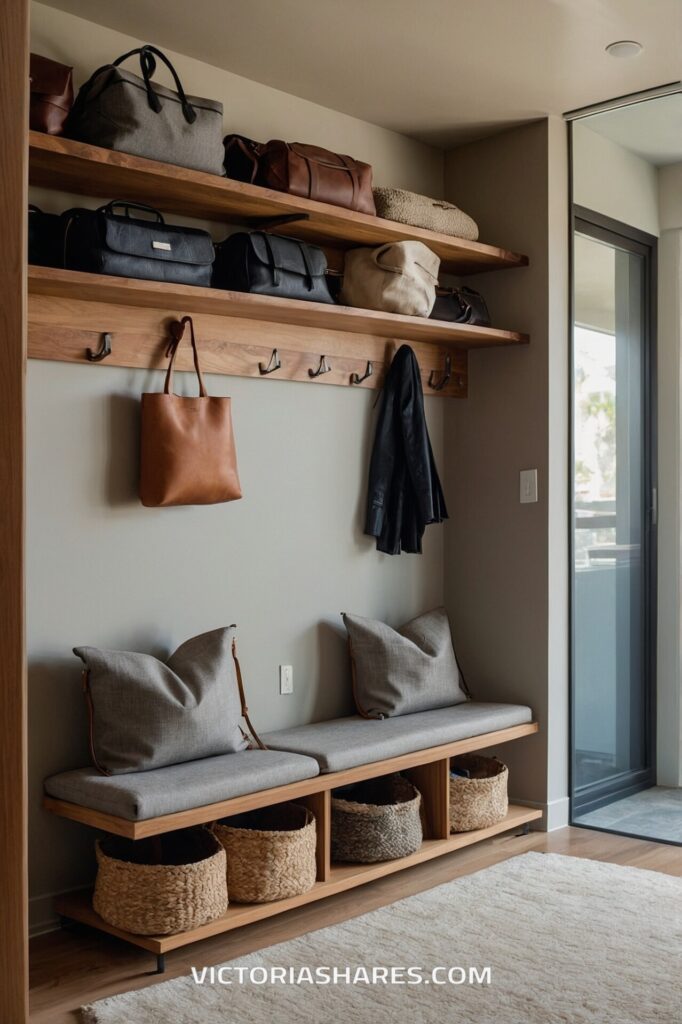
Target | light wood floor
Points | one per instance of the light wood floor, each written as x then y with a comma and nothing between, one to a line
72,968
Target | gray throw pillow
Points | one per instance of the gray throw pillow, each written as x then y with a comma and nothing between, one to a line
401,671
146,714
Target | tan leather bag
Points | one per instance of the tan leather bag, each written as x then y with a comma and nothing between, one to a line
51,94
188,454
400,277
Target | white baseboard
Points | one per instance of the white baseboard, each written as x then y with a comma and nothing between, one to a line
555,814
42,917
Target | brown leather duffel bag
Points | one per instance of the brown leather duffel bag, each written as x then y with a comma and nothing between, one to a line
51,94
301,170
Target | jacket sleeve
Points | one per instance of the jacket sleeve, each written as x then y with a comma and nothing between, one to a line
421,467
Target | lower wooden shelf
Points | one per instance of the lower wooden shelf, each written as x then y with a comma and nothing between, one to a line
78,906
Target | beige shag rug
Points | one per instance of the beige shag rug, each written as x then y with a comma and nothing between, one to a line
568,941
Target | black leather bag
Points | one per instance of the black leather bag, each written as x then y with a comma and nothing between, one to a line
462,306
45,238
271,265
104,242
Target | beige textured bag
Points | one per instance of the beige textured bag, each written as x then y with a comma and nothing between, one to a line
400,277
424,212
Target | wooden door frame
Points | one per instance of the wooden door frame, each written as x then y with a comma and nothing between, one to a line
14,51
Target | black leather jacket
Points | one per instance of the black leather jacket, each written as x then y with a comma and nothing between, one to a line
405,494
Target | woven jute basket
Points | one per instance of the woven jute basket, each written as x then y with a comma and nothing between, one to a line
160,886
270,853
479,801
376,820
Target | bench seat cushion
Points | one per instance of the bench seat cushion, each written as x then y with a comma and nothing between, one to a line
347,742
179,787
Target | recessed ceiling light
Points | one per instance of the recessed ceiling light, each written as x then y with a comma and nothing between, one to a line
624,48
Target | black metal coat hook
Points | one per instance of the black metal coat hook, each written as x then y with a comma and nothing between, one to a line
102,352
324,367
274,364
438,386
355,378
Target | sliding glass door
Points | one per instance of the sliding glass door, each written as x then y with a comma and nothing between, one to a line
614,511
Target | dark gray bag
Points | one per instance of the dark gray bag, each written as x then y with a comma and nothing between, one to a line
461,306
119,110
271,265
106,242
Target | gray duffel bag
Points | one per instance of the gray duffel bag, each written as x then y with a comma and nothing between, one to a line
119,110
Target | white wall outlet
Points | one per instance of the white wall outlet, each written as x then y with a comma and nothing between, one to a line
286,679
528,486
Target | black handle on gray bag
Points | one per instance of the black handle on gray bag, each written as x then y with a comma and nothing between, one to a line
148,67
111,207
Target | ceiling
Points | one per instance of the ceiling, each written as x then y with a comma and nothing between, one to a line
652,130
444,71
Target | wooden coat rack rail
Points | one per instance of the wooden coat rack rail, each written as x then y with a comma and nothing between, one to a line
70,312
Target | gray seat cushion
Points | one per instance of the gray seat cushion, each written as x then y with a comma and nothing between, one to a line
347,742
178,787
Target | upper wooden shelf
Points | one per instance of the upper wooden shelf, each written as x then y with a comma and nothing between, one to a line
70,284
89,170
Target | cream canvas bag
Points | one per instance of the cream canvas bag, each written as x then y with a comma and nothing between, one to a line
400,277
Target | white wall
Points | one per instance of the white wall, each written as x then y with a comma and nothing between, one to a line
282,563
609,179
506,563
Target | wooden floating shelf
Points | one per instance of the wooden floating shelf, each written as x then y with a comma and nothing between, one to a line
71,284
68,310
78,906
91,171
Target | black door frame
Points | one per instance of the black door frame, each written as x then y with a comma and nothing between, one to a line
603,228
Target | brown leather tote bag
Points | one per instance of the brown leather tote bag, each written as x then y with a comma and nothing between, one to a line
316,173
51,94
188,455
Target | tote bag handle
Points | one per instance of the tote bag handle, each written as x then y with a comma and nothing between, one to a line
177,330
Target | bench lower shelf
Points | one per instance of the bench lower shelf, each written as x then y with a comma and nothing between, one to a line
78,906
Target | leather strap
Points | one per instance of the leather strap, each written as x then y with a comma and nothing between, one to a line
242,697
177,330
302,248
91,722
273,262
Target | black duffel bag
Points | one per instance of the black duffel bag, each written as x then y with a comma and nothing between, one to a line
271,265
45,238
104,242
461,306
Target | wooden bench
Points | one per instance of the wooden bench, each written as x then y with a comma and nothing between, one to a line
429,771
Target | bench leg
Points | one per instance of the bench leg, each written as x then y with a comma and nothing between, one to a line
160,964
525,829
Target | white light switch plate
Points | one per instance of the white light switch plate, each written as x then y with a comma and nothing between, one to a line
528,486
286,679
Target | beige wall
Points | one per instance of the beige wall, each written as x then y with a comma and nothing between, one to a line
249,108
506,562
282,563
611,180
